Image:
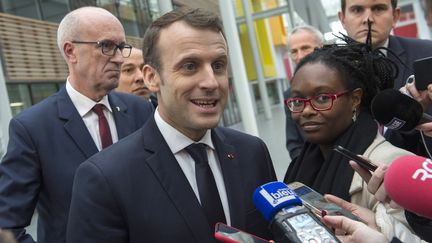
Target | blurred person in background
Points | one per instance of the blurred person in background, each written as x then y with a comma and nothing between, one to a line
383,16
131,77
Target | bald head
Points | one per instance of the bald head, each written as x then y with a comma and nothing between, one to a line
78,23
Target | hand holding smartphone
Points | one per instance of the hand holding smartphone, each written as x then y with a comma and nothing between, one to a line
359,160
422,73
317,203
228,234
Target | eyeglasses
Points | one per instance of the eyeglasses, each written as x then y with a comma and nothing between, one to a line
109,47
321,102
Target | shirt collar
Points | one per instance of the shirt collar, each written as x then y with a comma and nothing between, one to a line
176,140
83,103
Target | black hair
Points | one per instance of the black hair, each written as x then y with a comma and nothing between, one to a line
358,66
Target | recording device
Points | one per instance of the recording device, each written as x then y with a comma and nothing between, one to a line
290,221
317,203
422,68
397,111
228,234
408,182
359,160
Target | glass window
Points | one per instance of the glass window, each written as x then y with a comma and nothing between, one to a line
54,11
19,97
25,8
41,91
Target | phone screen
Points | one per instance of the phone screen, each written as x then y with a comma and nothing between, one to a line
317,203
230,234
422,76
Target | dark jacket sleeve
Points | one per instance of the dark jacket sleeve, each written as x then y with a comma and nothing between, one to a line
20,182
421,226
94,215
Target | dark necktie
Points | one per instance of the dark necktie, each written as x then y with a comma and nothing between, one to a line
104,129
208,193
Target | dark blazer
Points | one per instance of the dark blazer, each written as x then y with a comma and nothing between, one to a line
47,142
408,50
135,191
294,138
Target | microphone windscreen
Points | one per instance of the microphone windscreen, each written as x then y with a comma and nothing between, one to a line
396,110
272,197
408,182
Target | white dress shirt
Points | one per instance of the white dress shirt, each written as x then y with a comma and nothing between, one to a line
84,106
177,142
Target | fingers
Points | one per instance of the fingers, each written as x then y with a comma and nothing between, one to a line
426,128
341,223
340,202
365,174
375,184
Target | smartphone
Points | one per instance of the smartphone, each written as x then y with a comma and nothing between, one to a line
359,160
228,234
422,68
317,203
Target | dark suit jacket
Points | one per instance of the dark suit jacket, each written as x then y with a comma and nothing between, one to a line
294,138
47,143
135,191
408,50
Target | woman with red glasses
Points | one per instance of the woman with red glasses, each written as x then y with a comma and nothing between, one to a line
331,92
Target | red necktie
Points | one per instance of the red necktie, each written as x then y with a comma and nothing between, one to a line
104,129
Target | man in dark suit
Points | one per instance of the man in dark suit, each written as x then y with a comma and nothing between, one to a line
383,14
301,42
51,139
149,186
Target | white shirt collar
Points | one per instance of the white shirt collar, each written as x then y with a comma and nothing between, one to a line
83,103
176,140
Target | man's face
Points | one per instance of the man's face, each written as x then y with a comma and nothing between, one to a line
192,86
301,44
131,78
381,14
94,73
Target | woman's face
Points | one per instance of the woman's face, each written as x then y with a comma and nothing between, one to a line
323,127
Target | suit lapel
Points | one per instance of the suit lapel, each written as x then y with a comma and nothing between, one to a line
170,175
396,47
232,177
124,122
74,125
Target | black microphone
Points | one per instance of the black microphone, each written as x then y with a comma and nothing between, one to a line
290,221
398,111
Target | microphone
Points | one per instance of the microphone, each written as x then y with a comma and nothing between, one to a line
397,111
408,182
289,220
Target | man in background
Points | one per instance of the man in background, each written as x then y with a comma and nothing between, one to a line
383,16
302,41
131,77
49,140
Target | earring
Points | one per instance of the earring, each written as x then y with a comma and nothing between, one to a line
354,116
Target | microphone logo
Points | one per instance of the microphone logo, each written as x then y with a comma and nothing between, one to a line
395,124
425,171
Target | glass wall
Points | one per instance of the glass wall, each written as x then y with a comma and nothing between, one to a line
24,95
24,8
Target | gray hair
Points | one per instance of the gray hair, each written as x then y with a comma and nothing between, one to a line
69,26
319,37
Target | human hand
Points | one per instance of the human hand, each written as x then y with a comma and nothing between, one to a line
424,97
426,128
6,236
365,214
353,231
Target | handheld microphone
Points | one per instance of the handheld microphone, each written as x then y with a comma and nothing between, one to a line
289,220
398,111
408,182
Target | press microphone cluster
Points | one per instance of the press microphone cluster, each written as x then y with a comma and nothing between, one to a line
290,221
408,182
398,111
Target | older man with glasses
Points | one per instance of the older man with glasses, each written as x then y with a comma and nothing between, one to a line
51,139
